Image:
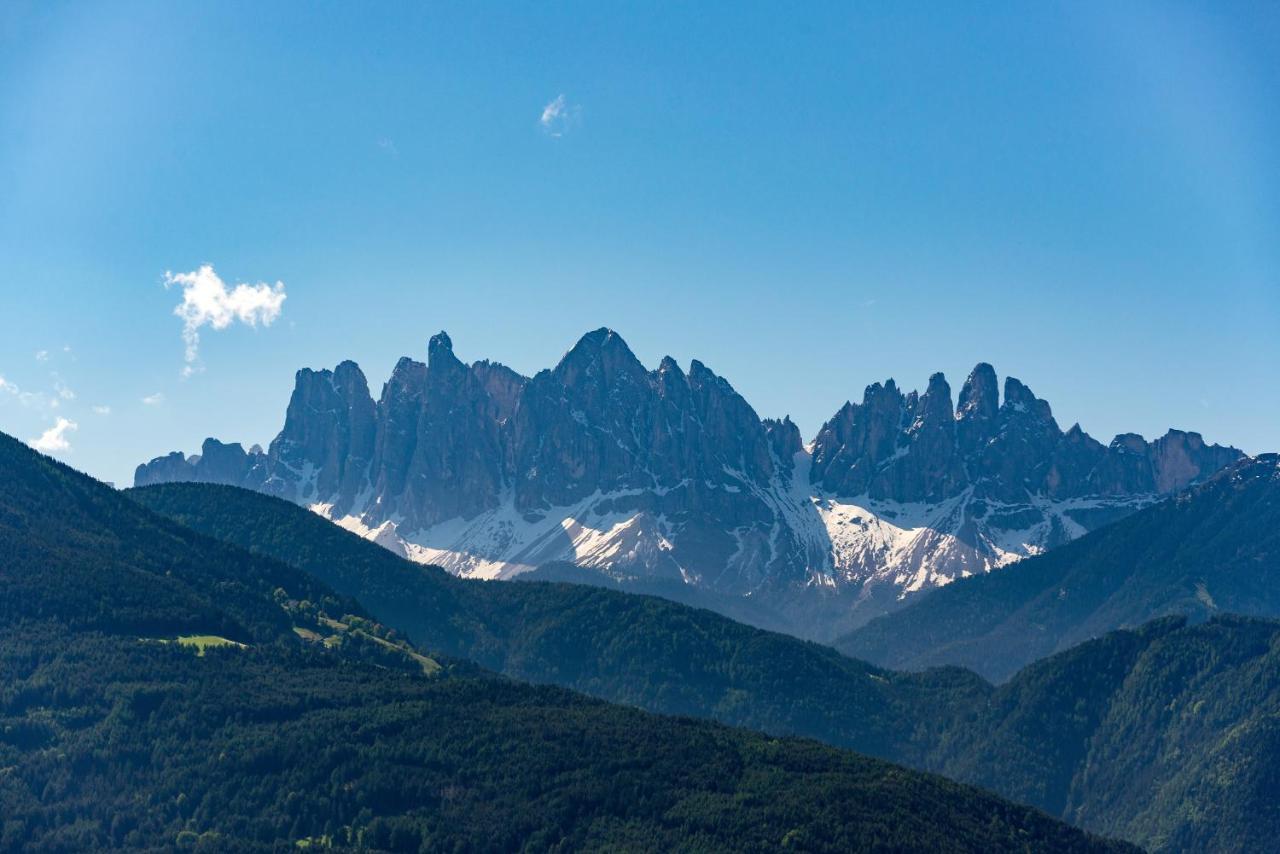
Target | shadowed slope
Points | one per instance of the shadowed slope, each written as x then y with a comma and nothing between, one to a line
640,650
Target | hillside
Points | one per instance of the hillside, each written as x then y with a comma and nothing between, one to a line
1215,549
1165,736
640,650
1158,735
114,735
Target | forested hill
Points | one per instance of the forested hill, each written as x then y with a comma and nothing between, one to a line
1166,735
1215,549
1161,735
78,553
126,720
641,650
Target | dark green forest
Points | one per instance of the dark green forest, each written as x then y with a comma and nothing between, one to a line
320,726
1047,737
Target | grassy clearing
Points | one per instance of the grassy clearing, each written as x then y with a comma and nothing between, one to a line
202,643
351,626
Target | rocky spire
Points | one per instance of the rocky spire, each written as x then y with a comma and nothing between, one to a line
977,409
456,468
397,436
784,440
327,442
932,470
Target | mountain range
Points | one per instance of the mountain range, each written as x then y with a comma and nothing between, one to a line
666,478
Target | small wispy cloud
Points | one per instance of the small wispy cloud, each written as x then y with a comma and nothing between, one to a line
153,399
101,410
7,387
559,116
388,145
54,439
42,355
207,301
62,390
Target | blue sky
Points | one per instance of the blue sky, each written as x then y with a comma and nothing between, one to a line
807,198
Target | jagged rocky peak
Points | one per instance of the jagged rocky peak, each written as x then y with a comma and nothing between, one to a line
502,384
979,396
978,407
216,463
173,467
672,383
732,433
1129,443
1180,458
327,441
456,468
1007,450
601,422
784,440
851,448
600,361
222,463
1018,399
440,346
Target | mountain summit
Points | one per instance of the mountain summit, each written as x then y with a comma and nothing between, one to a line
668,476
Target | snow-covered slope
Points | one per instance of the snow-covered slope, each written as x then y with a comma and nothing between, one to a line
910,546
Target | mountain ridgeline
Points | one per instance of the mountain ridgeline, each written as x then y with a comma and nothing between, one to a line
671,475
166,691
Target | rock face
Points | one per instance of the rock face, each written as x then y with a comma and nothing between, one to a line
903,448
665,474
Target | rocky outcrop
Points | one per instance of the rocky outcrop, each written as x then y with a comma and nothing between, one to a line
902,448
671,474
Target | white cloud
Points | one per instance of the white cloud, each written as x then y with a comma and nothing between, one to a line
102,410
206,301
154,399
55,438
559,116
388,145
61,389
42,355
6,386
